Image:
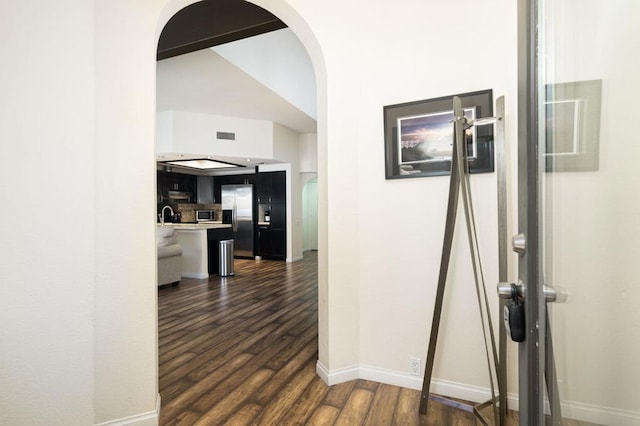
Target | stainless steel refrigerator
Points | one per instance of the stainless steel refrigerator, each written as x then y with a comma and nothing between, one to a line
239,200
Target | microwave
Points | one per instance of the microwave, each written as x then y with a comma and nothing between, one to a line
205,215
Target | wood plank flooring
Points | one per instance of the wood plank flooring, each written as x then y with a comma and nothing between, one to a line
242,350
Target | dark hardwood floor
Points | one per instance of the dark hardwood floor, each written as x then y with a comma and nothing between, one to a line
243,351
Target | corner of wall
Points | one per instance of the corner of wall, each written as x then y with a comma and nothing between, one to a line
151,418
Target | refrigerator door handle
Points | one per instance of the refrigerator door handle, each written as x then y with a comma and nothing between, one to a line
234,218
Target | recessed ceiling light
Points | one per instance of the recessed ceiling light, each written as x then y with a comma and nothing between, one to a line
202,164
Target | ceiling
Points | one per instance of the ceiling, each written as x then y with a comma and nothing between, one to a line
203,81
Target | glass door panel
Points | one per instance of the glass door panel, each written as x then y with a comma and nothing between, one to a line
588,189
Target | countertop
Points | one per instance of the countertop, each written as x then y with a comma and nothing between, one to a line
195,226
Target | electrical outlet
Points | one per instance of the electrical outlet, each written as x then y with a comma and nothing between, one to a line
414,366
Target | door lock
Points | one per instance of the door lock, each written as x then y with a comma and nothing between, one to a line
513,313
514,320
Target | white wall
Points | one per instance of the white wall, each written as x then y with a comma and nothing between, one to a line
47,270
385,237
98,304
164,132
309,211
125,286
278,60
192,132
285,148
308,146
402,221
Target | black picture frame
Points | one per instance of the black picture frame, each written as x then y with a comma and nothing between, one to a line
572,126
418,136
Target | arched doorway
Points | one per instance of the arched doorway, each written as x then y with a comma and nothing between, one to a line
296,24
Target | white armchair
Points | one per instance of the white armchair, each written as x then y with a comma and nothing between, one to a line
169,256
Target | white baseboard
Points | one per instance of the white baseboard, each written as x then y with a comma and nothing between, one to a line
390,377
599,415
438,386
322,371
196,275
570,409
336,376
295,259
151,418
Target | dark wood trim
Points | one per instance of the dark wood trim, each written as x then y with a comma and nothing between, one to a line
213,22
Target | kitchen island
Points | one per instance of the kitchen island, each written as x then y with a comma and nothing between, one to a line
199,243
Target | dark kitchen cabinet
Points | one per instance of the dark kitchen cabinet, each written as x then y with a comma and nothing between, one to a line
278,187
272,243
272,187
218,181
271,196
278,244
278,216
264,241
214,236
180,182
169,182
263,190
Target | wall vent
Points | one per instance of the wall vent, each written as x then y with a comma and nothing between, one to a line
226,135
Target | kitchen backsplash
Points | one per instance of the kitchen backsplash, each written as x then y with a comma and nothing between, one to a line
188,211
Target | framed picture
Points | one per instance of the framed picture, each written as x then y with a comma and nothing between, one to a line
419,136
572,126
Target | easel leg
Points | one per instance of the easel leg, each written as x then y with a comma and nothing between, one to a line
452,208
550,377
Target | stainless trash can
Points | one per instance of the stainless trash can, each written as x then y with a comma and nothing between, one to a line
225,258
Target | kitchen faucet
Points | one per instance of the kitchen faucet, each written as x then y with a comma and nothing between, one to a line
162,214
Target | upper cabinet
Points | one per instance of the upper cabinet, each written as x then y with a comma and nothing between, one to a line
176,187
278,187
263,190
272,187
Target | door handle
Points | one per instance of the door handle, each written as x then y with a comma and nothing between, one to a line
510,291
519,243
234,218
550,294
513,308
